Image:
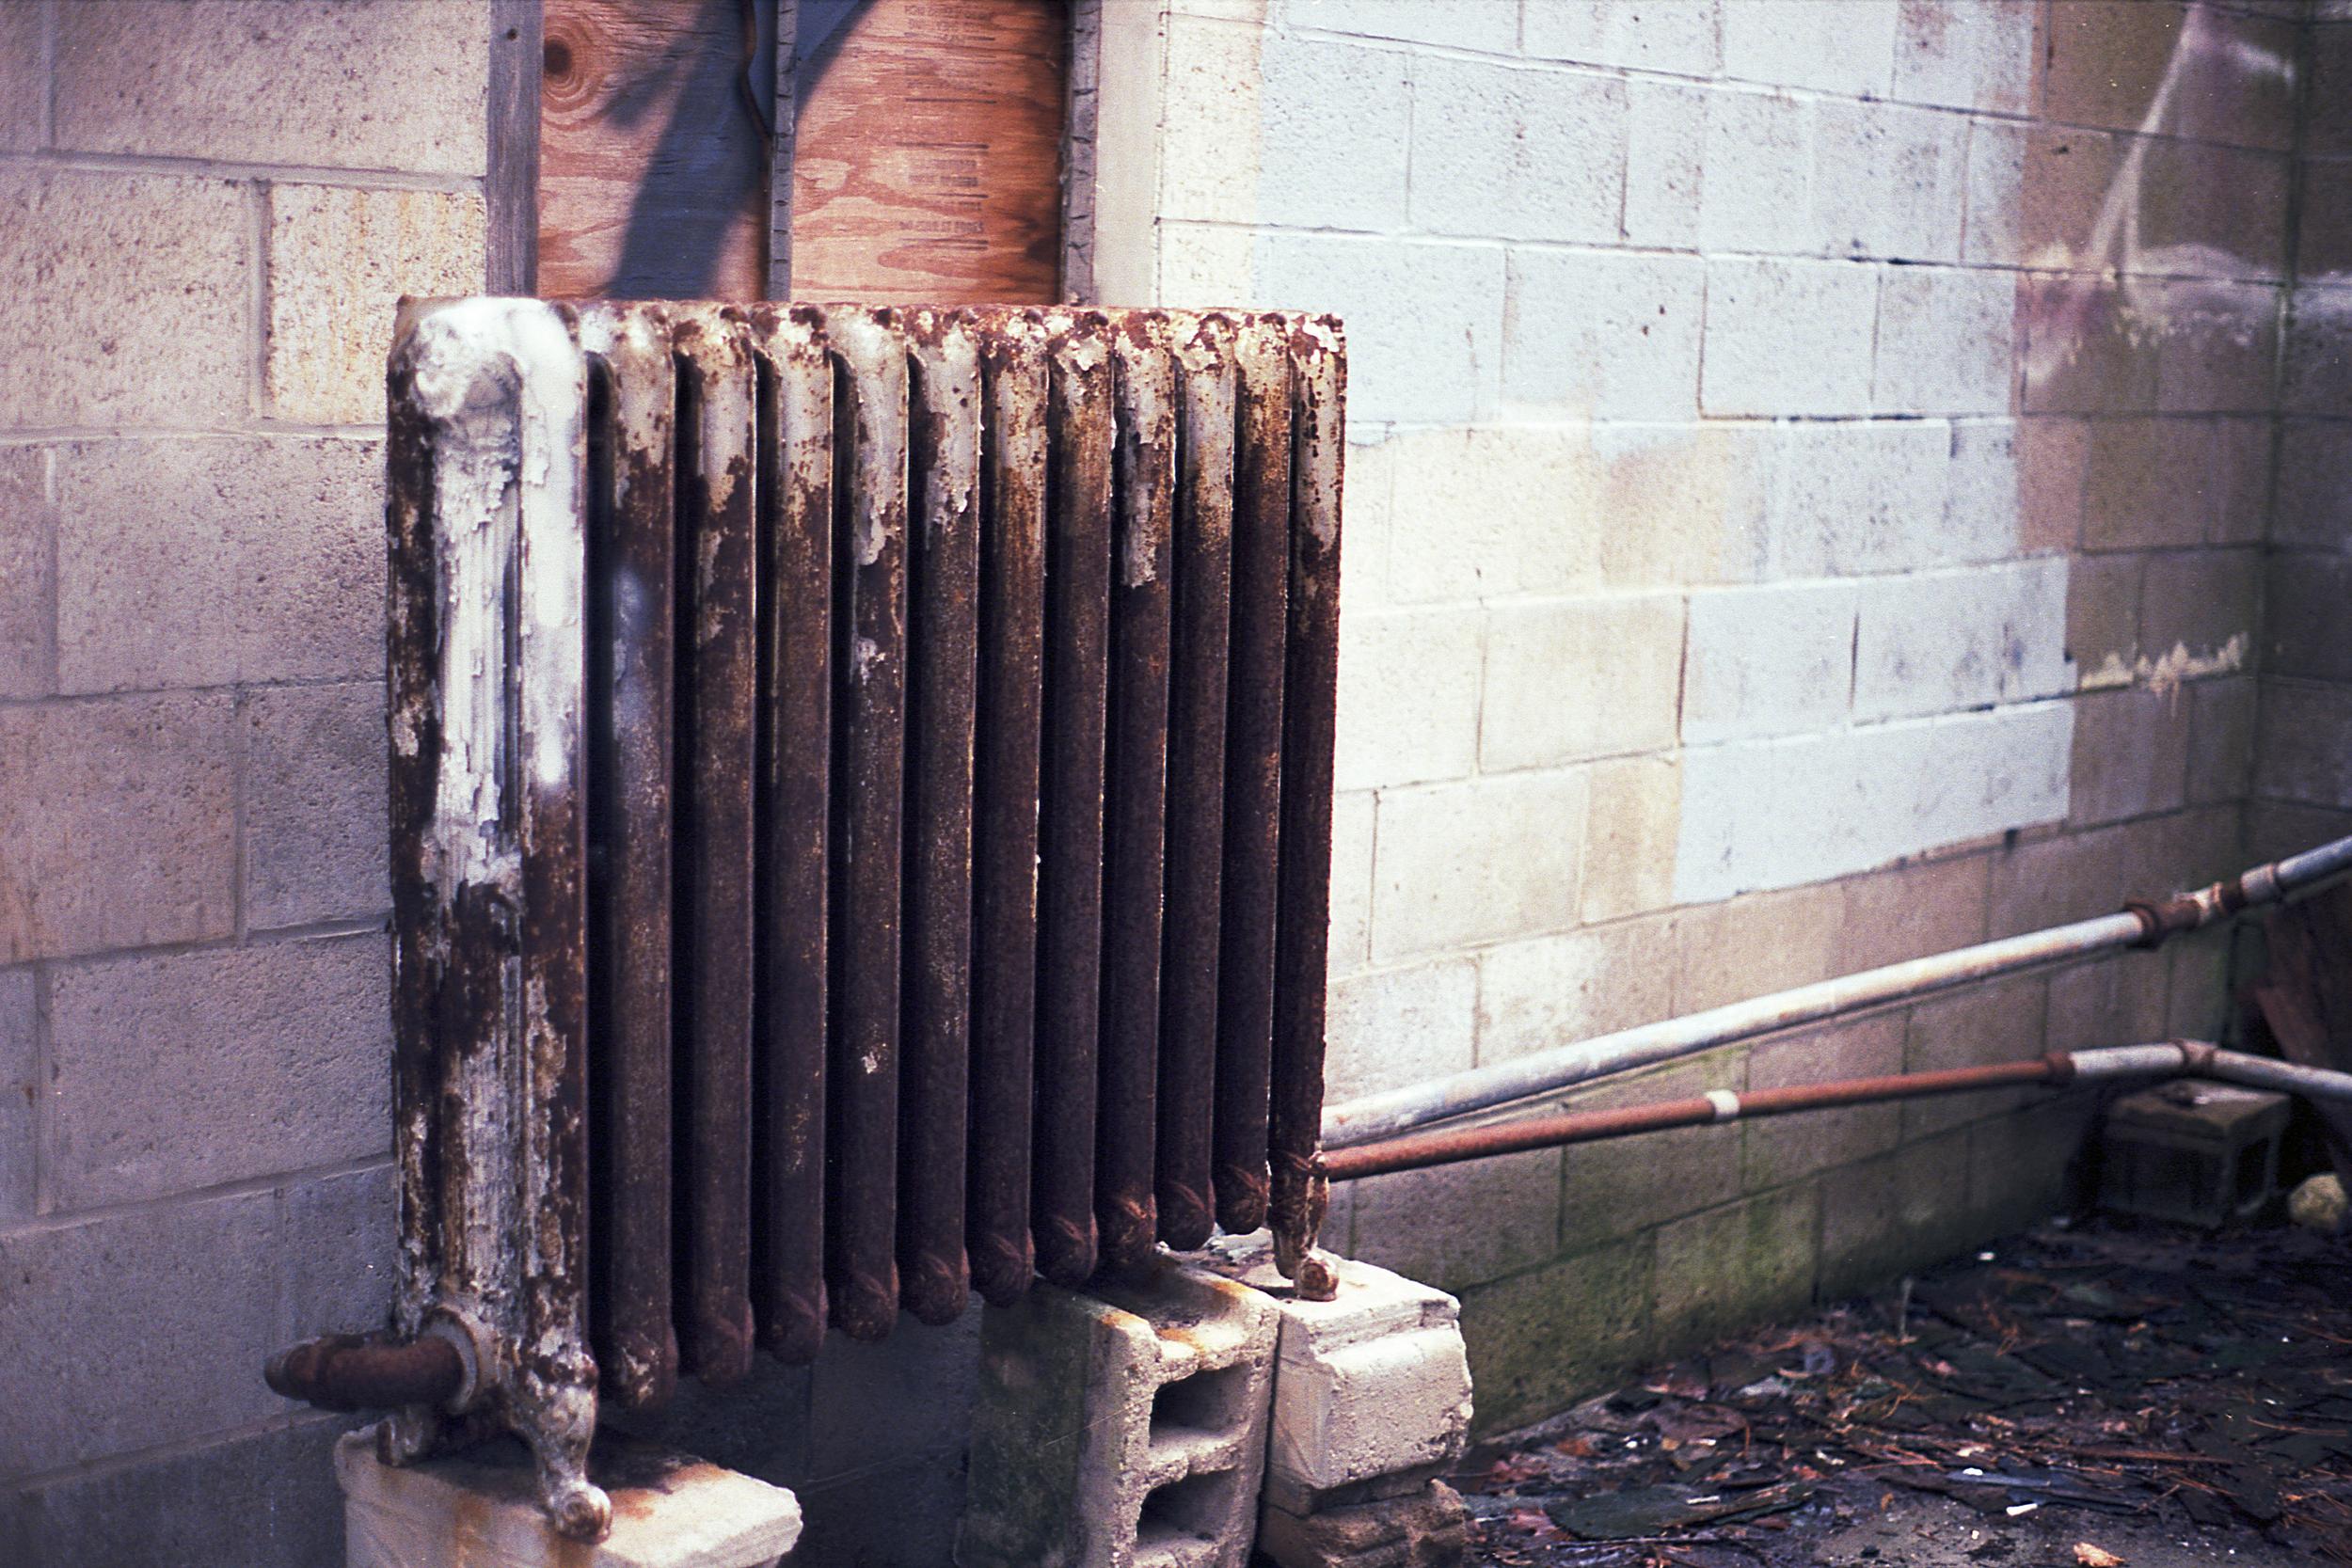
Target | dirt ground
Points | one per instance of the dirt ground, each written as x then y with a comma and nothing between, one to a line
2092,1394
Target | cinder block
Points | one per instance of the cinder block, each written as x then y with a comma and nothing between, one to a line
1988,500
2112,1001
2048,881
171,1312
1685,504
1409,696
2137,497
1541,1340
1334,135
270,566
1680,36
2220,345
1888,181
2314,470
1941,642
1351,879
1837,46
1768,660
2103,594
1887,1216
281,91
1568,679
2107,58
2085,352
1522,152
1752,946
1124,1429
24,85
2214,211
1777,1151
344,1230
2303,744
1759,151
1973,56
1629,836
1788,338
1462,1225
1426,1528
1490,26
1397,1026
338,261
2315,375
2021,1168
1201,265
20,1088
1213,75
2035,193
2329,65
1946,341
1617,1189
1665,147
1369,504
874,1405
1745,1261
2204,600
174,1073
2053,457
2220,739
1912,910
152,780
28,584
1608,336
1550,991
1496,510
316,845
668,1511
1424,318
132,296
266,1500
2001,1022
901,1512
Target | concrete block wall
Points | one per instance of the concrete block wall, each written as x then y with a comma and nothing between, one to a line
1807,508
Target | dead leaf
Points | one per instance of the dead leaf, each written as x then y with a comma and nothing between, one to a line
2095,1556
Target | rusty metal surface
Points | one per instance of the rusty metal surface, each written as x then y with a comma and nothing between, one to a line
1004,799
1253,770
632,529
1201,566
1070,811
796,499
485,650
1134,789
368,1371
1310,710
718,657
870,451
942,637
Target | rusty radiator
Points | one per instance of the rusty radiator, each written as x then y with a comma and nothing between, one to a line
861,819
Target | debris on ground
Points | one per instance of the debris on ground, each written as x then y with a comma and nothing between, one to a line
2104,1380
2317,1203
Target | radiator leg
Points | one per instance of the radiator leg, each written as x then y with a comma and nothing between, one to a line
1300,1200
554,1409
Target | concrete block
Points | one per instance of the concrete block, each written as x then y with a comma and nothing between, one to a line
1753,945
1974,57
1636,803
1773,660
2107,58
1489,26
339,259
1887,182
2214,212
1608,336
1850,499
1777,1151
2137,494
2303,744
1684,503
1616,1189
2048,881
285,90
1665,148
2314,376
343,1231
2315,469
150,778
2103,594
1744,1263
1124,1429
1888,1216
2323,240
1540,1340
905,1513
2086,351
1909,912
20,1088
1201,265
1370,507
141,1328
1409,696
1941,642
1496,509
2022,1168
2220,345
668,1511
1519,153
172,1074
2329,65
2275,829
1834,46
2053,465
1213,100
1369,1386
1760,149
1568,679
1427,1527
1426,318
2001,1022
1788,338
28,580
2113,1001
134,292
2199,1003
2220,739
1683,38
315,845
1946,341
1550,991
272,567
264,1500
2205,600
24,82
1460,1226
1397,1026
1988,497
874,1406
1335,135
1351,879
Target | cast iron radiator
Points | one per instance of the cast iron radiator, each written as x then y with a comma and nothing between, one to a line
861,789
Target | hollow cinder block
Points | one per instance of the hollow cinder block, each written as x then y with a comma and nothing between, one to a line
1123,1427
2188,1150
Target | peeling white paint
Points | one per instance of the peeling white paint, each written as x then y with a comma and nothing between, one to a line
2164,674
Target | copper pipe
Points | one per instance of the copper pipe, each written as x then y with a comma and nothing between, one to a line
364,1371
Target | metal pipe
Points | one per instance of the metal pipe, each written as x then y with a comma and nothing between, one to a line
2171,1058
2137,925
367,1371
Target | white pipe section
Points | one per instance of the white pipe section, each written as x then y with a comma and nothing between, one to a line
1380,1116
